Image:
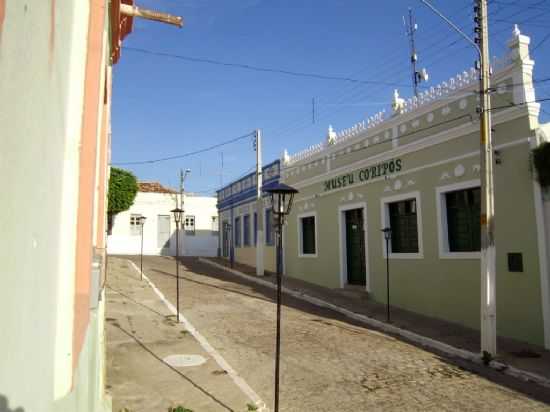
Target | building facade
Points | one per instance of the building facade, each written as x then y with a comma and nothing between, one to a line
199,229
246,232
56,61
417,171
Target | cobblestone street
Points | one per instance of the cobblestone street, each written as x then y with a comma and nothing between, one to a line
328,363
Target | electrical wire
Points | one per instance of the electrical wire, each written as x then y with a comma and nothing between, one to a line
193,153
519,104
258,68
540,43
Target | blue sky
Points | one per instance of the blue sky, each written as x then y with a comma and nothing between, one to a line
164,106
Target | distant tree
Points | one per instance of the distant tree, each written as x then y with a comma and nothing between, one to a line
541,159
123,188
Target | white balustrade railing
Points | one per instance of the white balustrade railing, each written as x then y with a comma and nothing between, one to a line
441,91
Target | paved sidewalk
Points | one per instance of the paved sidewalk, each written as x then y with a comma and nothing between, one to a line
530,358
141,332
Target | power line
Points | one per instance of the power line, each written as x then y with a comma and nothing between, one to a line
534,6
540,43
355,92
206,149
259,68
519,104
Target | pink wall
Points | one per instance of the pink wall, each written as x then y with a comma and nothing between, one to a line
90,124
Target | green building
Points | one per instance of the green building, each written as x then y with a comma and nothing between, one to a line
417,171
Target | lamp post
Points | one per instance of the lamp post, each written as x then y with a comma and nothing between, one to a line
387,236
177,217
141,223
281,203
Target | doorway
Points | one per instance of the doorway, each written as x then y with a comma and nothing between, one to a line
355,246
225,234
163,231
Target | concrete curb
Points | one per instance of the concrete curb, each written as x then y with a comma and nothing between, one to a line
245,388
411,336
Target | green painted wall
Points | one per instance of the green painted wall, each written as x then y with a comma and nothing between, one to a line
446,288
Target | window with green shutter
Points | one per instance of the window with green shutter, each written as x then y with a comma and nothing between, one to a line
269,227
404,226
463,220
237,230
246,230
308,235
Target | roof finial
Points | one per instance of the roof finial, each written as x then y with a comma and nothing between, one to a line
331,135
286,157
398,103
516,31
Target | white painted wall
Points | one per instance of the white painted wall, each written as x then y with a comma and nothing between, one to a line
41,122
151,205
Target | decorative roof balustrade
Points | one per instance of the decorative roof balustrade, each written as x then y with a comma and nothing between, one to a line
433,94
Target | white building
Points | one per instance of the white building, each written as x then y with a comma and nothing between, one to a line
198,234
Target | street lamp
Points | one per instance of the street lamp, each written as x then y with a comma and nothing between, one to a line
178,213
387,236
281,203
141,223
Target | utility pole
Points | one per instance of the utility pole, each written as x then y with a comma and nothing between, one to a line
417,76
488,251
181,189
183,175
411,29
487,218
259,205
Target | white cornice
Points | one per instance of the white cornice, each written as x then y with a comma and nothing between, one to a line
426,142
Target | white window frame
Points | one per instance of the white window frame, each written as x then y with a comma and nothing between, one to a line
301,237
135,223
442,225
189,229
385,220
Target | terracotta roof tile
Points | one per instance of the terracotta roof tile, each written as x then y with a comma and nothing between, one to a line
153,187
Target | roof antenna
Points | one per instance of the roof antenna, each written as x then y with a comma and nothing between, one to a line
417,76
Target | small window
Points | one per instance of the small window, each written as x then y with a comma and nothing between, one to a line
307,235
268,227
404,226
463,220
246,230
135,224
189,225
237,229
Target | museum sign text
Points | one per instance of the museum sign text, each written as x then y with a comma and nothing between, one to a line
362,175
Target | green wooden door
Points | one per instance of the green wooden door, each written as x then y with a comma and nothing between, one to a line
355,247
